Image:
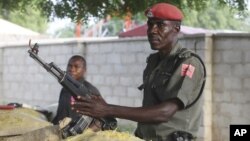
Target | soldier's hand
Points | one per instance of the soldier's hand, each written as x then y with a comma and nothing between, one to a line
94,106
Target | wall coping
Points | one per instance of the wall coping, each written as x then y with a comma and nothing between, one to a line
245,35
60,41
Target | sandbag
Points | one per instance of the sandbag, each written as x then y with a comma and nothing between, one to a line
22,124
21,120
108,135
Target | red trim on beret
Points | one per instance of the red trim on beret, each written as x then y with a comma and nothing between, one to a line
164,11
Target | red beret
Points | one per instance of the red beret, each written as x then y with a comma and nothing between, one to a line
164,11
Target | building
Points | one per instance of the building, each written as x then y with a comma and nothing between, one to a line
10,32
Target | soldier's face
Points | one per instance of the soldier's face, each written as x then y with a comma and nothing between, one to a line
160,33
76,68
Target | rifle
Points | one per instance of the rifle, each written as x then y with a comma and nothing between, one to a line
76,89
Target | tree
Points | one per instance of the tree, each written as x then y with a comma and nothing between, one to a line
66,32
79,10
35,21
214,17
28,16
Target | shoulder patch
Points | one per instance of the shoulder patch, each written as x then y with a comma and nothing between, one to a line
187,70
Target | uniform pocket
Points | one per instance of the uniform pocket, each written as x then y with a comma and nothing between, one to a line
160,81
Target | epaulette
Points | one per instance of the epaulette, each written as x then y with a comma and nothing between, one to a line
184,53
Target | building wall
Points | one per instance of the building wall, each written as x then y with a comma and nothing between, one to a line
115,67
231,82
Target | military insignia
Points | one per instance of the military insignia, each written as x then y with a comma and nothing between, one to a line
150,14
187,70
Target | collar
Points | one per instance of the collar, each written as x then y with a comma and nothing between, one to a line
176,48
82,80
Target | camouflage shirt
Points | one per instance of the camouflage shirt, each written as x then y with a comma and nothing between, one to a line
161,84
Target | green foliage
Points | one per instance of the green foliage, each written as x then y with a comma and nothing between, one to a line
66,32
84,9
32,19
215,17
198,13
8,6
24,13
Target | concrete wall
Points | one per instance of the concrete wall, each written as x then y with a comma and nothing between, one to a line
23,80
231,82
115,66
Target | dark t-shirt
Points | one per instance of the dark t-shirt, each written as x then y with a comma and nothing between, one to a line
64,106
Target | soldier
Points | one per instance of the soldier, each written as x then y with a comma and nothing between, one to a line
173,81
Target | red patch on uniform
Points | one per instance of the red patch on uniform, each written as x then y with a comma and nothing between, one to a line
72,99
187,70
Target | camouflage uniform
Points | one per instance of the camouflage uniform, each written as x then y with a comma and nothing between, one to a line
160,84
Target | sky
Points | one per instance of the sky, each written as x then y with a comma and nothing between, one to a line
57,24
61,23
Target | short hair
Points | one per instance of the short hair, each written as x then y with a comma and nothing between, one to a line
79,57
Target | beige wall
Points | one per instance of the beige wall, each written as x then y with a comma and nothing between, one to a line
115,66
231,82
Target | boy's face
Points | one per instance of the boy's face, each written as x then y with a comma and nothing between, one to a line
76,68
